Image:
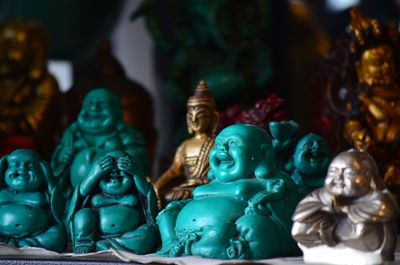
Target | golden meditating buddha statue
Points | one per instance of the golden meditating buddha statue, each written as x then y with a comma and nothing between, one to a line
374,124
29,102
190,166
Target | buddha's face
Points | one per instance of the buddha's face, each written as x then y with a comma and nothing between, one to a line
23,173
376,66
117,183
236,153
312,155
98,114
199,119
15,56
348,177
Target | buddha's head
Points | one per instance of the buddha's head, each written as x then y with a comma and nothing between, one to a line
352,174
240,152
116,183
23,48
311,156
110,179
101,112
376,66
201,115
24,170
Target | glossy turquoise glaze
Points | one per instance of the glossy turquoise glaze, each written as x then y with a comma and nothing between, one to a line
114,207
243,213
30,206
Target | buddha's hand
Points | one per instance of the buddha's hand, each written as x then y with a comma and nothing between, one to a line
326,229
125,164
257,205
106,164
67,151
392,176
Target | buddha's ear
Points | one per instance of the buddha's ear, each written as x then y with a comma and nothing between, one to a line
190,131
214,122
262,170
210,175
3,167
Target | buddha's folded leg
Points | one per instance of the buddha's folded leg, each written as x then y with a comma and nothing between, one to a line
261,237
53,239
141,241
84,226
166,221
214,241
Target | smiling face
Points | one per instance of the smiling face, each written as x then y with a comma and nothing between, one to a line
199,119
311,157
237,152
101,111
23,173
349,175
376,66
117,183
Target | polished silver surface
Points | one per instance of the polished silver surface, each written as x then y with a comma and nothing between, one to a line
353,209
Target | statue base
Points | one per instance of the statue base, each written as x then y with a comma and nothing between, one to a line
342,255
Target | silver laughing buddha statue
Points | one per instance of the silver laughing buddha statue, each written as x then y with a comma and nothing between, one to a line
352,219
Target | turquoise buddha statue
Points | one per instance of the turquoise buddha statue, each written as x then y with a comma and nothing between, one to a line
30,205
311,159
114,207
98,130
244,212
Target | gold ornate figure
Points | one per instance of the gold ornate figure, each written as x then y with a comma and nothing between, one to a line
190,166
375,127
29,102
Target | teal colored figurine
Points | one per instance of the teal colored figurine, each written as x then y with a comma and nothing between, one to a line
114,207
311,160
306,160
244,212
99,129
30,206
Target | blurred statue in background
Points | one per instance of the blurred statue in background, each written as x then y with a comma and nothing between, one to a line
365,99
190,166
306,160
98,130
30,98
104,70
231,34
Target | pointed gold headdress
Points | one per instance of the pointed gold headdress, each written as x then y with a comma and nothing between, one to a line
367,31
202,96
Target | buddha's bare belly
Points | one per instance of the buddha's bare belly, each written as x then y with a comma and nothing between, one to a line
21,220
118,219
203,212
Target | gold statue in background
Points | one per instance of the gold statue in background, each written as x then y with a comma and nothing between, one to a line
29,102
374,126
190,166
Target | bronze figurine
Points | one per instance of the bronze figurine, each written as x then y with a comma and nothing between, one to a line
190,166
30,98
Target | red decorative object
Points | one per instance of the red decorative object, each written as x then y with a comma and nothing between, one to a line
11,143
273,108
